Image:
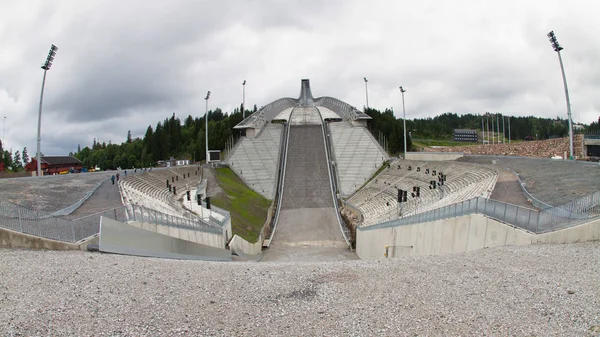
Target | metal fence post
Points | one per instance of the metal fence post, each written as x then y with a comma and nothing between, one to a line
20,221
73,230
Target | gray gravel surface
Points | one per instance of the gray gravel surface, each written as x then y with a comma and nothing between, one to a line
539,290
552,181
50,193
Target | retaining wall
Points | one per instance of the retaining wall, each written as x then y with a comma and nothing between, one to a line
117,237
433,156
13,239
457,235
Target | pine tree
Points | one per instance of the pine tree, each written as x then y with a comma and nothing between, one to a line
128,136
25,156
17,161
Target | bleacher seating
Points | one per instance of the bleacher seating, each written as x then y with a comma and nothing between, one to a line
149,189
378,200
357,155
255,159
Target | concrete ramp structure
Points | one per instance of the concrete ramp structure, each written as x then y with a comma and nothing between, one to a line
300,165
307,216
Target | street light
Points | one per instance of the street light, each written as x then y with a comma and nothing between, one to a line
557,48
366,91
244,99
206,127
46,67
402,91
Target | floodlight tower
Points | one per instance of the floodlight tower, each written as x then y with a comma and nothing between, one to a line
244,99
402,91
46,67
206,126
557,48
366,91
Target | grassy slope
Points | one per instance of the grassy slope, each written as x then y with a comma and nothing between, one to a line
248,209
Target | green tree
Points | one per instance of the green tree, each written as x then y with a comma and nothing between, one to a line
25,156
17,165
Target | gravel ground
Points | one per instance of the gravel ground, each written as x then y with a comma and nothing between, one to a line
50,193
538,290
552,181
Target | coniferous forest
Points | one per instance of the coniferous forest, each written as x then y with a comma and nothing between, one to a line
185,139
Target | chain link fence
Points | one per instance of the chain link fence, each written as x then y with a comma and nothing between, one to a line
24,220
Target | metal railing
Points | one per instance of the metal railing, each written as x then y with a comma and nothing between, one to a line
143,214
267,113
346,111
70,209
576,208
535,221
24,220
45,225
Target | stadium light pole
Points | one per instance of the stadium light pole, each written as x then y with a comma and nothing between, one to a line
482,132
206,127
503,131
46,67
402,91
508,129
557,48
366,91
244,99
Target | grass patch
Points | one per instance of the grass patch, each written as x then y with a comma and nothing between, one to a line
248,209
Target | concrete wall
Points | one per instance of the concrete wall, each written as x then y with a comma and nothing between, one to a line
586,232
245,249
12,239
433,156
117,237
209,239
461,234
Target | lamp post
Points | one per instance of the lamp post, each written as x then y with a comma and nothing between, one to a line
557,48
206,127
244,99
366,91
46,67
402,91
3,131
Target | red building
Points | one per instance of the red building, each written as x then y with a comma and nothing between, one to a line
55,164
1,166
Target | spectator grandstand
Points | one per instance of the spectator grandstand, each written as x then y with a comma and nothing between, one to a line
357,155
255,159
150,189
378,200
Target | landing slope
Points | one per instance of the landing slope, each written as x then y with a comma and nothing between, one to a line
307,216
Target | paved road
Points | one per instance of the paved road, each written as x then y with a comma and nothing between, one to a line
507,189
106,197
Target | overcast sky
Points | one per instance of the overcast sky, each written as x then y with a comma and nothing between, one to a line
122,65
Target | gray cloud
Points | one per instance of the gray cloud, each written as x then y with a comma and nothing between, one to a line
126,65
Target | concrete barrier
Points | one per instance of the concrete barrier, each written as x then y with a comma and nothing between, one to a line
209,239
245,249
13,239
460,234
433,156
117,237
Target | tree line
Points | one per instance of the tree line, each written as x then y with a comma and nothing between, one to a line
185,139
14,161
